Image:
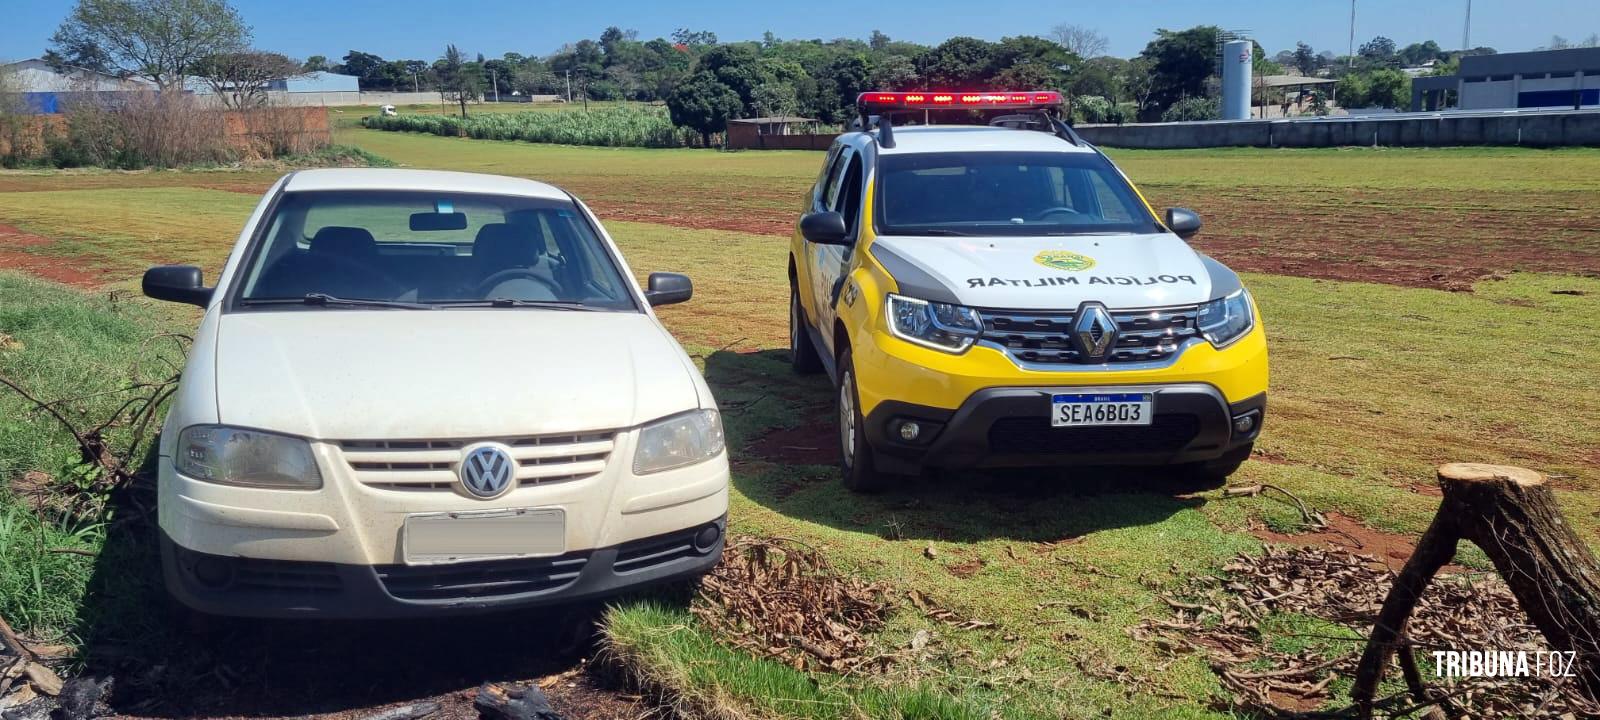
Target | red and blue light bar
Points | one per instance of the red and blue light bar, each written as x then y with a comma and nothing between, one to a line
920,100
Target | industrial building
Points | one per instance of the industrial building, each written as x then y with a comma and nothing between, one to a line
45,88
1542,79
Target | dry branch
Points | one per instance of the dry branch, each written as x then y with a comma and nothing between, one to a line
1511,514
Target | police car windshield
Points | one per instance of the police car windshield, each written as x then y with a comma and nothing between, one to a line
1006,193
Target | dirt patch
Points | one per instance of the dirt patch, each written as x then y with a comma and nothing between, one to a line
813,443
1390,550
75,271
966,568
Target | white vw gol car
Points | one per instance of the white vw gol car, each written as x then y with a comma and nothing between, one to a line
419,392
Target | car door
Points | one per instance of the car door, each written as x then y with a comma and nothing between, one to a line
831,263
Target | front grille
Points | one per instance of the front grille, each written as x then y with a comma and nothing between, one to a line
485,579
431,464
643,554
284,576
1165,433
1046,337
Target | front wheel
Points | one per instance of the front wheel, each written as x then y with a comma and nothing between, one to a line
803,357
855,456
1211,474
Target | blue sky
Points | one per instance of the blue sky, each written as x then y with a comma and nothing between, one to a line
398,29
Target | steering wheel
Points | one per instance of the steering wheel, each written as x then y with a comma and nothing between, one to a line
499,278
1047,212
388,286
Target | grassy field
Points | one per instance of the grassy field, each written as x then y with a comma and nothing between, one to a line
1378,375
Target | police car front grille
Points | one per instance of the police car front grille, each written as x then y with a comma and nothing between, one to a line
424,465
1145,335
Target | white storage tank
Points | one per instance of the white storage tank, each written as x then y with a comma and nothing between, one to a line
1237,57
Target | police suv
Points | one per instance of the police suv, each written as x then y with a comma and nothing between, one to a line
1000,295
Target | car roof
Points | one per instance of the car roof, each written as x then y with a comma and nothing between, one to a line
419,180
975,138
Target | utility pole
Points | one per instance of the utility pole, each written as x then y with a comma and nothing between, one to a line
1466,30
415,86
1352,54
494,79
569,86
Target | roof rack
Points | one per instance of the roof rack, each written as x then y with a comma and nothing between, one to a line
1040,103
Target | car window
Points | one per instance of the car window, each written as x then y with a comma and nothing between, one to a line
1006,193
830,189
437,248
848,200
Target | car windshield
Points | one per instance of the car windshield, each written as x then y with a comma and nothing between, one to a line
417,249
1006,193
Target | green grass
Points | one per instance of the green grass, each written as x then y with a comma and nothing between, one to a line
642,126
63,346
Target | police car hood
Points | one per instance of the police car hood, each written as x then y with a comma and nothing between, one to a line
1043,273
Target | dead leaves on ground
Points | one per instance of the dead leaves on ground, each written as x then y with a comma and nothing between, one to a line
1224,619
780,598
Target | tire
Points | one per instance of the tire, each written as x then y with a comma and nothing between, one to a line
803,357
855,455
1212,474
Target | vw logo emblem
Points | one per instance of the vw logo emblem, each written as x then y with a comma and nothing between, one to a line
1094,331
487,470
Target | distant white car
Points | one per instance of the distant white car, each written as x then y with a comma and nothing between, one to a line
415,392
387,110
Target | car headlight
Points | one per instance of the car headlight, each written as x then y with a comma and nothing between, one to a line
249,458
680,440
1227,319
941,326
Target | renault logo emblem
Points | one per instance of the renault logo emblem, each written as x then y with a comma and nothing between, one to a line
487,470
1094,331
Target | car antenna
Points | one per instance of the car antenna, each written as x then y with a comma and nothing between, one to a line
886,130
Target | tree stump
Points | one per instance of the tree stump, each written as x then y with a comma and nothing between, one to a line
1511,514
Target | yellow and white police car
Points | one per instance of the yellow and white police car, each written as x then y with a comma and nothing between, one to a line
1000,295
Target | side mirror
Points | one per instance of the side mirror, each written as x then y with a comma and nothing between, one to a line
668,288
177,283
1183,222
824,228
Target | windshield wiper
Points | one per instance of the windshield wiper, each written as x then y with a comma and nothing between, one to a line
326,300
511,302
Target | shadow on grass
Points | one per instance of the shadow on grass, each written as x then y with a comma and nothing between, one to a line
168,662
760,396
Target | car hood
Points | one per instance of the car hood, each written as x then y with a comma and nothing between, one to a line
1038,273
424,374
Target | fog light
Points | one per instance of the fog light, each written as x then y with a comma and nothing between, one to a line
213,572
909,431
1244,423
707,538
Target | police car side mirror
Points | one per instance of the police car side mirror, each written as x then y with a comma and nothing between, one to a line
1183,222
824,228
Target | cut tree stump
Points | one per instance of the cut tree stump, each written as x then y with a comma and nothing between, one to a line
1510,513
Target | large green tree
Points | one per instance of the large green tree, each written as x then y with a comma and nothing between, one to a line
705,104
1180,62
460,81
160,40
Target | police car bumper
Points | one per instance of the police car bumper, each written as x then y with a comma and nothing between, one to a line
1010,427
249,587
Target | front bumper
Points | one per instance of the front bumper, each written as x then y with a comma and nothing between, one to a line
1010,427
248,587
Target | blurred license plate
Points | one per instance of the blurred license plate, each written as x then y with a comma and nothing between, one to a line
1094,409
434,538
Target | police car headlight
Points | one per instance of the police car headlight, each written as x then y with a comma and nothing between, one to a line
941,326
680,440
248,458
1227,319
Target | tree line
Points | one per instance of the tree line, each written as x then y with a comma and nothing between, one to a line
706,82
